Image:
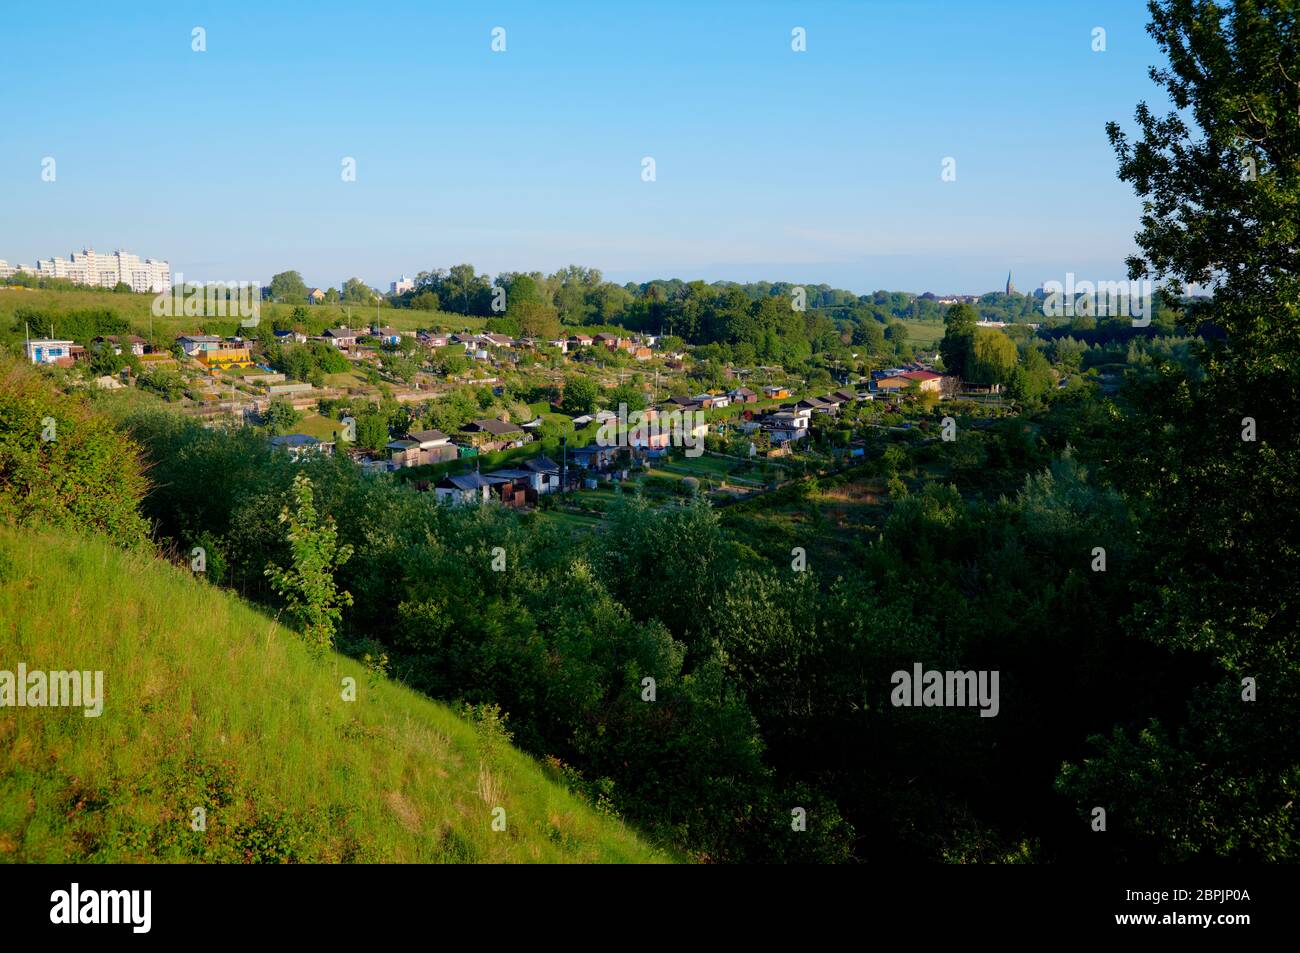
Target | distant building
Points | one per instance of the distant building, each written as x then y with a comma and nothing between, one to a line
549,472
46,351
193,344
784,427
299,445
221,358
463,489
315,296
1011,288
925,380
817,405
402,285
133,342
341,338
107,270
422,447
490,435
594,457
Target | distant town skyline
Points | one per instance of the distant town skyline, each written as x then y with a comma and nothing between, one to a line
826,164
106,269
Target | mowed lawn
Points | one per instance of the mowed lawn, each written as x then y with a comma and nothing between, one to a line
322,428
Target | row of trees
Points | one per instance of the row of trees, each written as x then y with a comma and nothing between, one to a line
700,312
287,287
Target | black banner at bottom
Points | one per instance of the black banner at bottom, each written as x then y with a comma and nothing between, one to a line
143,904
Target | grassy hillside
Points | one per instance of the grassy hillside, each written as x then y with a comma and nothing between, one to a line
924,334
135,308
209,703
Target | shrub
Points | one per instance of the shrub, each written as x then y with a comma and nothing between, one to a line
64,466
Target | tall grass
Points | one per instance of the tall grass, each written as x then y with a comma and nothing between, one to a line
211,704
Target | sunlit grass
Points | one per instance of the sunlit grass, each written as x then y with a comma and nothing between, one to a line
209,703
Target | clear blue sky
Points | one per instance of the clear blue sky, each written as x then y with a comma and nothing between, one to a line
810,167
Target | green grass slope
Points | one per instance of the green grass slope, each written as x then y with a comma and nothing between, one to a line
208,703
137,309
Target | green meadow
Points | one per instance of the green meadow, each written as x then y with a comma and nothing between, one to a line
924,334
137,310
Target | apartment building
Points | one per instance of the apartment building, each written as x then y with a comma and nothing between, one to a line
99,270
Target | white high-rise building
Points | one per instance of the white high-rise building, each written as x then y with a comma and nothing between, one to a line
401,285
107,270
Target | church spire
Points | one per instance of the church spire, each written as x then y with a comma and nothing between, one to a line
1011,288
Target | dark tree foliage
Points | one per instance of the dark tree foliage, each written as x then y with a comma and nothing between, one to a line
1211,457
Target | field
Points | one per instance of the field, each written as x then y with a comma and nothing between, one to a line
137,309
212,710
924,334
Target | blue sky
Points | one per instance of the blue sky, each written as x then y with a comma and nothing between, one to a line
815,166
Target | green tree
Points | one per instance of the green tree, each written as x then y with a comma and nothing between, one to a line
627,394
464,290
992,357
520,289
356,291
870,335
1031,381
1211,453
451,361
288,286
896,334
535,319
372,431
958,338
580,394
104,360
401,367
313,601
425,301
281,417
